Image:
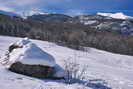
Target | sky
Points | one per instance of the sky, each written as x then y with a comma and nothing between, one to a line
70,7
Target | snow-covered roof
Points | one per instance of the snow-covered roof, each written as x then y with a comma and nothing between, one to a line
31,54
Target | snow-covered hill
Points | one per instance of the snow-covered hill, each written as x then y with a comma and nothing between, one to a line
115,69
115,15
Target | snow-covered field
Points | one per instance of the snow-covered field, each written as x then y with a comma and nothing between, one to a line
114,69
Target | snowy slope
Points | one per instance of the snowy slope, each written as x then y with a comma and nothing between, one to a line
115,69
115,15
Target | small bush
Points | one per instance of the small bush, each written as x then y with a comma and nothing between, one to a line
74,73
5,59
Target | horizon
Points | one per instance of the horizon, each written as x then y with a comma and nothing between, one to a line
69,7
72,14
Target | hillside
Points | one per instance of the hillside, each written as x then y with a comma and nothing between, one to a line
95,31
114,69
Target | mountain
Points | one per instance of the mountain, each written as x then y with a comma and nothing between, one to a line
96,31
32,12
106,22
119,15
50,18
41,16
8,13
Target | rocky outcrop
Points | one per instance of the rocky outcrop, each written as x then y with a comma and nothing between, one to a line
38,71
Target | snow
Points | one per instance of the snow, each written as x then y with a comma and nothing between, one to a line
86,20
30,54
89,22
119,15
59,71
115,69
22,42
103,25
125,23
33,12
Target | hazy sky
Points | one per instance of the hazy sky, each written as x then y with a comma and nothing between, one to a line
72,7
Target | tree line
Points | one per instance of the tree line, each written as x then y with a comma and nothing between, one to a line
73,35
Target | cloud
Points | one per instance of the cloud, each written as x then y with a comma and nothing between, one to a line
20,3
30,2
11,5
6,8
14,5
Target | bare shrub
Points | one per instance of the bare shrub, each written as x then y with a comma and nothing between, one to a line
5,59
74,72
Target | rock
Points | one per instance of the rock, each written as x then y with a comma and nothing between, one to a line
38,71
28,59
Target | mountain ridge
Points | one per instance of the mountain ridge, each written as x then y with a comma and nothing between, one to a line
8,13
74,32
27,13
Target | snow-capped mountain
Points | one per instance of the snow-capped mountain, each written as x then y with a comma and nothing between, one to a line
119,15
118,22
32,12
100,21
